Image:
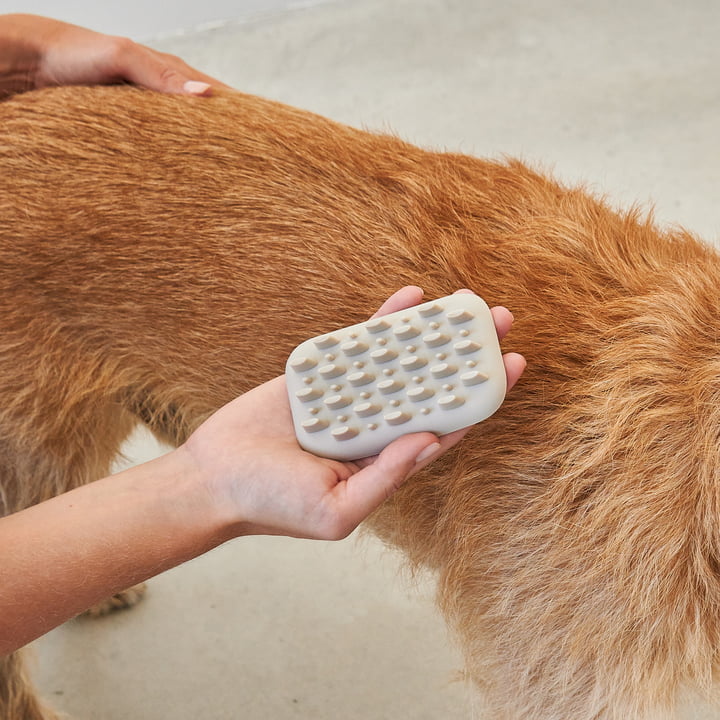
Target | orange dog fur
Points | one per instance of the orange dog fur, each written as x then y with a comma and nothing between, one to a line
575,535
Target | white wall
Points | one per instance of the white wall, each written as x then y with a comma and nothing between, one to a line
144,19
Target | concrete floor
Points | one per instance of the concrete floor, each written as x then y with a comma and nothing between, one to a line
622,95
144,21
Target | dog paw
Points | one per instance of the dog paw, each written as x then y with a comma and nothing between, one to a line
121,601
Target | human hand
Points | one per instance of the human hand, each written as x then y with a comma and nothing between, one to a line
266,483
39,52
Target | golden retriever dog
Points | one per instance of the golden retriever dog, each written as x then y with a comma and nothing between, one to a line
575,535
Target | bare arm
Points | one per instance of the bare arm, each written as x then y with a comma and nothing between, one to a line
62,556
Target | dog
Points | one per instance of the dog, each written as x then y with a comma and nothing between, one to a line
575,535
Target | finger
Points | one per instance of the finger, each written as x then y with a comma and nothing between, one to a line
368,489
503,320
181,66
146,68
515,365
502,317
403,298
445,442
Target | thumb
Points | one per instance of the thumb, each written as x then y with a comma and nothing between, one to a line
367,489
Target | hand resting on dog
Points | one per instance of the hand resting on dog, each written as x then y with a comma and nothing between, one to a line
36,52
241,473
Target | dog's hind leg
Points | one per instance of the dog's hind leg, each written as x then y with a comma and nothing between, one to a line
18,699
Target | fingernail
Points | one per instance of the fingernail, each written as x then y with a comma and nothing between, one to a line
427,452
193,87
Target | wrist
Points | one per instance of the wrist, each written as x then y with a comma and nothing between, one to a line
20,53
186,501
203,498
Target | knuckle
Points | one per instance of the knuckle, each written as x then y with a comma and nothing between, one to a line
173,63
393,487
168,74
118,48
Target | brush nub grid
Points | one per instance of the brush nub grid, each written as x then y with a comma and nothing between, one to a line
434,367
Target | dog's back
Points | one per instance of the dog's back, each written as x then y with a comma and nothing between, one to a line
575,534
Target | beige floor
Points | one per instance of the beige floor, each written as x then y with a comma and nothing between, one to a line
622,95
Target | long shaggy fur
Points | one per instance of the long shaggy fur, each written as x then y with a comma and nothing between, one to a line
575,535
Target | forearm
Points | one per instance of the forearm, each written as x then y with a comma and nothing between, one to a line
62,556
